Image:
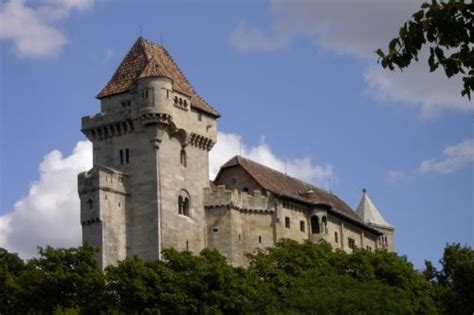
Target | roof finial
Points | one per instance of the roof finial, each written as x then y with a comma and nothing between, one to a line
140,30
364,190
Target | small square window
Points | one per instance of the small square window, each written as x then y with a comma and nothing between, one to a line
287,222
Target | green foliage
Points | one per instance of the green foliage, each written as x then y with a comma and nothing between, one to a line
455,282
447,29
58,279
290,278
309,277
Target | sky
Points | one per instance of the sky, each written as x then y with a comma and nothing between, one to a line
296,82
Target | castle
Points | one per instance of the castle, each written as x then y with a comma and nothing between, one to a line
149,186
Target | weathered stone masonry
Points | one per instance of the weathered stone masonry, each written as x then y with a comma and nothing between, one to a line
149,187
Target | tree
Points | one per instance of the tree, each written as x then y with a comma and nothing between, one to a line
455,281
447,29
11,267
61,279
311,277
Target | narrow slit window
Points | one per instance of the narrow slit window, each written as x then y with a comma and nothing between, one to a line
127,156
302,226
287,222
183,158
260,239
336,238
121,156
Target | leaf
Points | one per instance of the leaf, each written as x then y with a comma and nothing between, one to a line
393,43
380,53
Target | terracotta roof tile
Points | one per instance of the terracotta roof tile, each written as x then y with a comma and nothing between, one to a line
149,59
283,185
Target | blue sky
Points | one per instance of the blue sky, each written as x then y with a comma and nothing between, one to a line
295,81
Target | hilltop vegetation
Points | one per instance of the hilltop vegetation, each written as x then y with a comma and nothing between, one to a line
290,278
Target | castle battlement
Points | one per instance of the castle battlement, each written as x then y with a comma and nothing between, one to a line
103,178
239,200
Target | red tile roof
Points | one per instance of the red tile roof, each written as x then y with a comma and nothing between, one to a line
283,185
149,59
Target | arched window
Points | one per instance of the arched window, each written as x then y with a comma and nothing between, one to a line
324,227
315,228
246,190
176,100
183,158
180,205
186,207
184,203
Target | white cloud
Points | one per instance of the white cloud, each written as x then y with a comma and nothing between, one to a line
49,214
394,177
357,28
454,158
228,145
31,29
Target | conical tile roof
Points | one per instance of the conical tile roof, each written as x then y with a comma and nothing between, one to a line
369,213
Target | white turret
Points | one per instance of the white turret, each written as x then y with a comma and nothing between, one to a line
368,212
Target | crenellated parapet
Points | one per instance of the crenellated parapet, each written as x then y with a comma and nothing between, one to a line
103,126
242,201
103,178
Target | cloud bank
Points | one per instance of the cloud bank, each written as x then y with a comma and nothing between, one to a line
357,29
32,30
454,158
49,213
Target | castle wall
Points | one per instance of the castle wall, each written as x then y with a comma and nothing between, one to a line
239,223
295,214
103,197
180,231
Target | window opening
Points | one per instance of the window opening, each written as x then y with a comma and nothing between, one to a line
287,222
315,228
127,156
183,158
336,239
121,156
302,226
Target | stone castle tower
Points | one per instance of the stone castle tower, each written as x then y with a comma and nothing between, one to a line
151,141
149,186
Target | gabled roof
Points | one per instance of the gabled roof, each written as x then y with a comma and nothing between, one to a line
149,59
282,185
369,213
